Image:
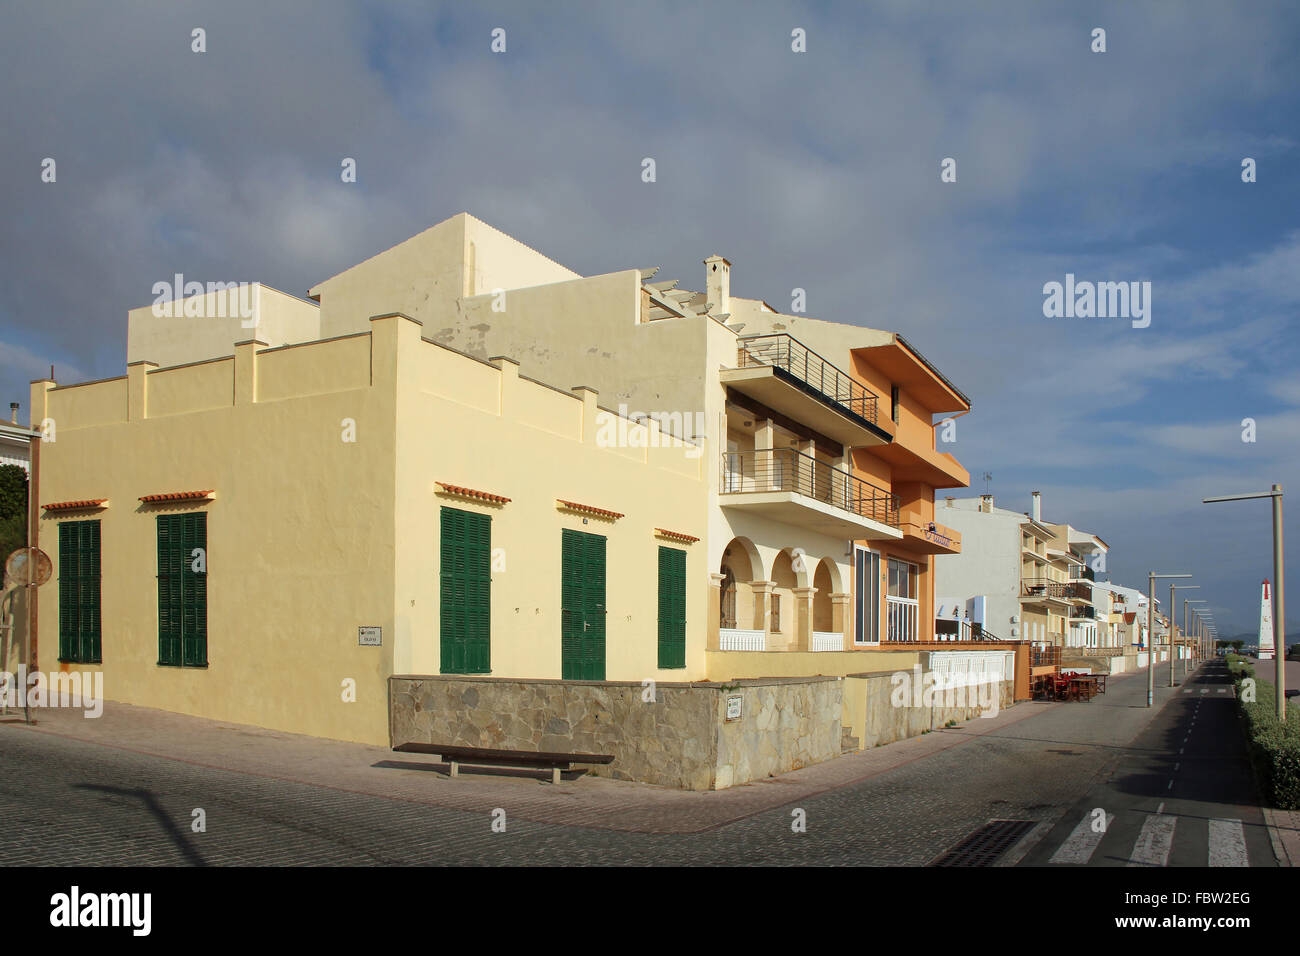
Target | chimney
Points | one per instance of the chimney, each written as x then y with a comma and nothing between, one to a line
717,283
1036,511
13,413
986,504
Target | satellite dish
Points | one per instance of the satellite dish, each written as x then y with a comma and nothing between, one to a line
17,567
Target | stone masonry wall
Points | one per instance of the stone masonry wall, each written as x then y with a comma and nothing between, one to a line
874,719
682,739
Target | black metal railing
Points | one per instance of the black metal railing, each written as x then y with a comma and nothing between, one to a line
1087,574
785,469
782,350
952,629
1046,587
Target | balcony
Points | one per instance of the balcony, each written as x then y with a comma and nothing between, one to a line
783,374
929,537
1045,589
1083,612
797,489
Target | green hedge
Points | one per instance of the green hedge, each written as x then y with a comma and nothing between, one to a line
1274,747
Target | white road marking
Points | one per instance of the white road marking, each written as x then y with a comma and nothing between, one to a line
1161,808
1228,843
1081,843
1154,842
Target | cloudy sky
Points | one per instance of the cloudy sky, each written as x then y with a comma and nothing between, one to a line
817,170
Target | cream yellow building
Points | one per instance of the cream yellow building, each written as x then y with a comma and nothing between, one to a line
321,473
464,459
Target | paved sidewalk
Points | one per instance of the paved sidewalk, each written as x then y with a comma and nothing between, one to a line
586,801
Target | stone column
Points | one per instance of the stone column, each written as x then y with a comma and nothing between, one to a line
803,622
762,598
712,639
842,616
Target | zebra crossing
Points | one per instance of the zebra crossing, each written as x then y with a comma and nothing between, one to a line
1216,842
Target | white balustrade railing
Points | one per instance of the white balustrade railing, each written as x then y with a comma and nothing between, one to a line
739,639
827,641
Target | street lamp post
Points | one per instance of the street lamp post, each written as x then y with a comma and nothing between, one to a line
1279,589
1196,626
1173,609
1151,630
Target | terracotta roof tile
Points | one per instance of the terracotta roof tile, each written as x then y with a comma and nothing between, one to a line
81,505
677,535
473,493
588,509
177,496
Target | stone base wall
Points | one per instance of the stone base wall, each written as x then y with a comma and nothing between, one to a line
681,738
877,712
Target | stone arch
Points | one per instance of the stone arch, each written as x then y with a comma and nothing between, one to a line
740,567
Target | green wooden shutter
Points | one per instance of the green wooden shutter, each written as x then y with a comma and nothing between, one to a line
69,577
672,607
88,622
79,569
570,604
182,591
169,592
582,606
194,591
595,607
465,592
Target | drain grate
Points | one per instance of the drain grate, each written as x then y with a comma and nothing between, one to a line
985,845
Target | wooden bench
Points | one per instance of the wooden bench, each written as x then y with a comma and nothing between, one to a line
484,756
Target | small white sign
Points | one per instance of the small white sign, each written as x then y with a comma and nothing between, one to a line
733,707
370,636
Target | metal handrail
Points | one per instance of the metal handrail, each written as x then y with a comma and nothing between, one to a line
786,469
784,351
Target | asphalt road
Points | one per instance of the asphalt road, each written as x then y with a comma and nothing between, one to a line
1181,794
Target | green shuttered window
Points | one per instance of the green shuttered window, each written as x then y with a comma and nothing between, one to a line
582,606
672,607
183,590
465,596
79,635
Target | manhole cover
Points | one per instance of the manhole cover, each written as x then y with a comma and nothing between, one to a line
985,845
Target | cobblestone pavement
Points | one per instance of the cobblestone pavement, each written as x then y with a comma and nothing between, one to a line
68,796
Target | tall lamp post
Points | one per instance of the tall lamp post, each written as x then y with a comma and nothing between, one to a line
1173,609
1279,589
1151,630
1196,626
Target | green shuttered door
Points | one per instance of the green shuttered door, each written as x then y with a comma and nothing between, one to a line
182,590
79,618
582,606
672,607
465,602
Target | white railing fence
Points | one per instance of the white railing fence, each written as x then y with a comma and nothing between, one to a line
827,641
739,639
903,614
